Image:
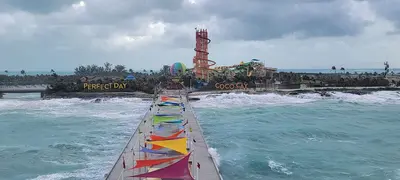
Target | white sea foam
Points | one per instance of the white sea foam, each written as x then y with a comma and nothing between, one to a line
121,108
231,100
122,113
278,167
214,154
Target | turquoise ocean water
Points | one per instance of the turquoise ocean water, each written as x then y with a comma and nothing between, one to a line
254,137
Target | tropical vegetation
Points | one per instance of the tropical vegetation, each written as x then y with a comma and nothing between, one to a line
147,80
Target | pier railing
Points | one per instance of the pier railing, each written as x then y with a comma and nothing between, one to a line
202,133
135,133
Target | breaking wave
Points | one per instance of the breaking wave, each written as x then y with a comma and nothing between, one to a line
232,99
64,138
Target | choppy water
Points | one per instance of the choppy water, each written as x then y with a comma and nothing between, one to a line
255,137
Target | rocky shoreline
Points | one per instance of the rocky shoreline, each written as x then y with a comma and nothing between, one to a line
95,95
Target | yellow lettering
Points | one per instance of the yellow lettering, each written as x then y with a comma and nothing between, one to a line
238,85
226,86
217,85
85,85
97,86
232,86
120,86
115,85
124,85
102,86
107,86
93,86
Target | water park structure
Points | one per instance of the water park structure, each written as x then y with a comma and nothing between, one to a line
201,62
203,65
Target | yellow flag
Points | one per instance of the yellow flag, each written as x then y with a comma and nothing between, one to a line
178,145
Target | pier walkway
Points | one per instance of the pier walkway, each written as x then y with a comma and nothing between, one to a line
195,144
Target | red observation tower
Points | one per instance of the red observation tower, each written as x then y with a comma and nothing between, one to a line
201,62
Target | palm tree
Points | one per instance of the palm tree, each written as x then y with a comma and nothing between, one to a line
6,71
386,68
333,68
52,71
342,69
120,68
108,66
23,72
131,71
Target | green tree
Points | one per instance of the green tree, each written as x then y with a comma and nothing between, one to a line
120,68
333,68
108,66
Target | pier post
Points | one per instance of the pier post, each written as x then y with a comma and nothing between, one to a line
1,95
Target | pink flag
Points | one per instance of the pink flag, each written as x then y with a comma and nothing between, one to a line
178,170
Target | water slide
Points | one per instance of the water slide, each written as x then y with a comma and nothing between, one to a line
208,61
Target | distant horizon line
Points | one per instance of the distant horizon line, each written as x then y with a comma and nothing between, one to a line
158,70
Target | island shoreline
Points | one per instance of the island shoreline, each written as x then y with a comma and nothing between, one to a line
323,91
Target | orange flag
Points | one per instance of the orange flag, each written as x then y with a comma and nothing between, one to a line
152,162
160,138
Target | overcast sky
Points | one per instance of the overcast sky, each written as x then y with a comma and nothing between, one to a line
145,34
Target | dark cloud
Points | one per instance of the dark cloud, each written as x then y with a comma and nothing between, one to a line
238,19
248,20
261,20
389,9
37,6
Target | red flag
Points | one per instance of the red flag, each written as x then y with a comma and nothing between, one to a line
198,165
123,162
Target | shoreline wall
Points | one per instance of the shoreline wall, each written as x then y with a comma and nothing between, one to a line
94,95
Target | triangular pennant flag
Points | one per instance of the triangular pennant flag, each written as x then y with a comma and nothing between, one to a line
179,170
178,145
152,162
160,138
143,149
160,119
